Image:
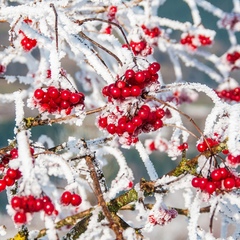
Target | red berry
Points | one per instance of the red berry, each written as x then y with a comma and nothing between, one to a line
14,153
136,120
65,94
224,173
136,91
76,199
3,185
9,181
120,84
140,76
102,121
195,182
105,91
65,104
38,204
202,183
126,92
38,94
16,202
154,67
143,113
158,124
129,74
12,173
201,147
115,92
74,98
20,217
216,175
53,92
160,113
130,127
210,187
48,208
111,128
66,198
229,183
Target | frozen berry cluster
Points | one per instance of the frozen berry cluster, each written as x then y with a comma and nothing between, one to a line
55,100
140,47
30,204
132,83
8,176
144,120
195,41
111,15
68,198
153,32
208,142
27,43
183,146
220,179
230,95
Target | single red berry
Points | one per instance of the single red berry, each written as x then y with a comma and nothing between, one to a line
102,121
201,147
136,91
210,187
105,91
195,182
12,173
14,153
111,128
38,204
140,76
216,175
46,199
129,74
16,202
65,94
126,92
143,113
66,198
160,113
38,94
158,124
154,67
3,185
202,183
64,104
130,127
130,184
76,199
120,84
229,183
224,173
31,204
48,208
115,92
74,98
136,120
53,92
20,217
9,181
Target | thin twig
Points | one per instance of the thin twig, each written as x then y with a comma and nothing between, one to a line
56,24
102,47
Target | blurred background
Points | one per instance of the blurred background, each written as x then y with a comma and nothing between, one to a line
172,9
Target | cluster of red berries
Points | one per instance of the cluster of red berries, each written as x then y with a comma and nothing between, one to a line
27,43
230,95
151,32
29,204
9,175
208,142
139,48
132,83
145,120
112,10
68,198
233,57
220,179
54,99
183,146
195,41
233,160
